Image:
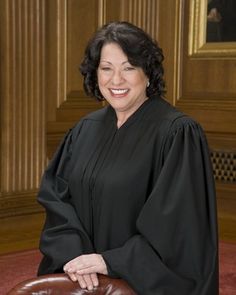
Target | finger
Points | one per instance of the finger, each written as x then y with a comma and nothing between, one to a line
68,267
94,279
88,282
65,267
81,281
72,276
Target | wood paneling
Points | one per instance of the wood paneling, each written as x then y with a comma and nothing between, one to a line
22,104
70,25
143,14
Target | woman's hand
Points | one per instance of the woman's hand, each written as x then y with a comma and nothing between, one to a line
84,269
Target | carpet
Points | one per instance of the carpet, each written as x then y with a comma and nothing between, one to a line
17,267
227,260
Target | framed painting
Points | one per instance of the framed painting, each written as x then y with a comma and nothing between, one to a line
212,29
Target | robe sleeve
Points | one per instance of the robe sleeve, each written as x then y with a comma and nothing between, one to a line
175,250
63,236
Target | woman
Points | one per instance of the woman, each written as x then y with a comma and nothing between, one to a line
130,191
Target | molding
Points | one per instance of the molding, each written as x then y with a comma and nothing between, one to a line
222,141
102,15
215,121
228,104
178,48
81,103
61,75
226,191
21,203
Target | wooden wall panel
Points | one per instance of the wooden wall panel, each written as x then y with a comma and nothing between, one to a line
22,104
77,36
70,24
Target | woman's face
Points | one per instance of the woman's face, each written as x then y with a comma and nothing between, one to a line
121,84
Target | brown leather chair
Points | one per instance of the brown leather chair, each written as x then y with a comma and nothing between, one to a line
60,284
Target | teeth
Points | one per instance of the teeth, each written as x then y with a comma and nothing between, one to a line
119,91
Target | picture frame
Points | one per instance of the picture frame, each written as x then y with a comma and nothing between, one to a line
199,47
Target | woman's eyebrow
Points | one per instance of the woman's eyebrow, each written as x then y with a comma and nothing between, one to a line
105,61
102,60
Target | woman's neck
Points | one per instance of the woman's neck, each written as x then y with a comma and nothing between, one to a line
123,116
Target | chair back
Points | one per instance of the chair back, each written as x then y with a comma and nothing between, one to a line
60,284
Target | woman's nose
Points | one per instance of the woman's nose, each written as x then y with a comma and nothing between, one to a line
117,78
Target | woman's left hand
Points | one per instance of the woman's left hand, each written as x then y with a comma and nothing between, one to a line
86,264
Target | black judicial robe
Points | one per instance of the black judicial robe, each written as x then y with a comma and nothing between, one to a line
141,195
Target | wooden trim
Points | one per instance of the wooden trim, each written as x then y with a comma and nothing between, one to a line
21,203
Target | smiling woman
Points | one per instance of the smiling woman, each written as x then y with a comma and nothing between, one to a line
137,49
130,192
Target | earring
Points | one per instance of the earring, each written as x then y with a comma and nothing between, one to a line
148,84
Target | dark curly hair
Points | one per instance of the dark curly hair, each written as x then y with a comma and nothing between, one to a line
141,50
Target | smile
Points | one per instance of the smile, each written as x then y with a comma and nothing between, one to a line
119,91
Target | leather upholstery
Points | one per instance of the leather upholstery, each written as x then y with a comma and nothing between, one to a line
60,284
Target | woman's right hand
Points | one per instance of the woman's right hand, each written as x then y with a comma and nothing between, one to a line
84,269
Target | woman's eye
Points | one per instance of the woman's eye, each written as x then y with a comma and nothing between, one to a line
105,68
129,68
